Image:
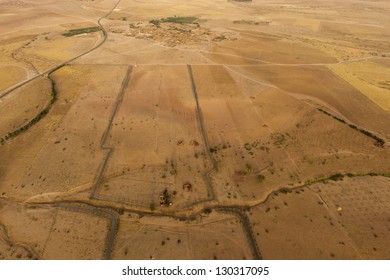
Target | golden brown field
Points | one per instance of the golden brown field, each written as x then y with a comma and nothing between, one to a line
200,129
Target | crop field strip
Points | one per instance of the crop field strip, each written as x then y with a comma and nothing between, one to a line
103,168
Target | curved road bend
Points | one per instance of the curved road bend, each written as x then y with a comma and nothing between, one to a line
107,214
104,31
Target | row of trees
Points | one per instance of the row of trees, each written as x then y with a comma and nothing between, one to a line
36,119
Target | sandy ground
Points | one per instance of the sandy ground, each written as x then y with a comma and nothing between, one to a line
215,102
11,75
336,220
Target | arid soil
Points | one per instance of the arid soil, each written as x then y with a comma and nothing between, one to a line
200,129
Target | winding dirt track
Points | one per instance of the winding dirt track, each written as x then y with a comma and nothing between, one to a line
103,146
51,70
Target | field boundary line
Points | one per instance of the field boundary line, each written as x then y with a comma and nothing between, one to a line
103,146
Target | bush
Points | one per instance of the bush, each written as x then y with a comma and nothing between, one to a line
155,22
285,190
336,177
79,31
260,178
219,38
248,168
181,20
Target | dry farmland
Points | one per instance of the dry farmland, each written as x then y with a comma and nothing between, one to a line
202,129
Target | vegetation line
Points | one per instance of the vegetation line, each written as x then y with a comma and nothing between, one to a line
36,119
340,176
190,211
175,19
74,32
379,141
307,183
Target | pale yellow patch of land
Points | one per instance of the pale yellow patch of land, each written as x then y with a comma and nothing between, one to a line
10,75
371,79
